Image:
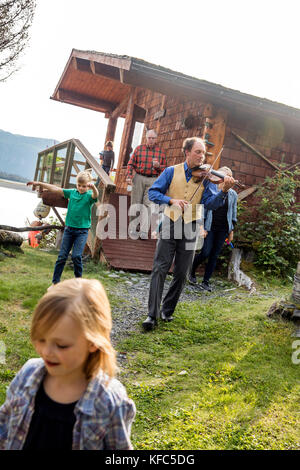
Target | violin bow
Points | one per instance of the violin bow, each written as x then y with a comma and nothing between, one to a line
206,176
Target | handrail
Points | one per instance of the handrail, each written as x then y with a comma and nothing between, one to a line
91,161
105,179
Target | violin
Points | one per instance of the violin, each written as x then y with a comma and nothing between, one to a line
204,171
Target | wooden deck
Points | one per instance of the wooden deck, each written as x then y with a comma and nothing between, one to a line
128,254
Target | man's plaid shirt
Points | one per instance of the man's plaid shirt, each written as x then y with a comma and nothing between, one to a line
142,161
104,413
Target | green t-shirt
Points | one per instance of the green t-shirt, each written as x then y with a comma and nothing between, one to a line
79,208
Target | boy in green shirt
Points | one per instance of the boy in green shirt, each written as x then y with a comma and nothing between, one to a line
78,221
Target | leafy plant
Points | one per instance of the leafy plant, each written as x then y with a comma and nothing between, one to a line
49,239
271,226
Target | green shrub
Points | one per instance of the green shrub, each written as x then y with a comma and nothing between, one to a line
271,226
49,239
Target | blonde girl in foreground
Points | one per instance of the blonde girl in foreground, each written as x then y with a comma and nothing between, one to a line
69,399
78,220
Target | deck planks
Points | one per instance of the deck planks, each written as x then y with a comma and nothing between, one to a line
128,254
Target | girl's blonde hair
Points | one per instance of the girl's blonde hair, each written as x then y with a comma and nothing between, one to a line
86,302
84,176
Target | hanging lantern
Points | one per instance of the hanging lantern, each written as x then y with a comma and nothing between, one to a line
41,211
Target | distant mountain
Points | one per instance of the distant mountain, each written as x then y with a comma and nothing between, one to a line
18,153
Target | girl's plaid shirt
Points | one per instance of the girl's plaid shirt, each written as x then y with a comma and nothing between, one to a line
104,414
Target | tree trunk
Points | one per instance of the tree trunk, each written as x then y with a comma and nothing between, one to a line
10,238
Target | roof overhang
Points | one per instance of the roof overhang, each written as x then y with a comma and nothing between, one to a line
103,82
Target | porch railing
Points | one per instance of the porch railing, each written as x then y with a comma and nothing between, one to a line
60,164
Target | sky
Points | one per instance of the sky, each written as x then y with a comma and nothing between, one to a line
250,46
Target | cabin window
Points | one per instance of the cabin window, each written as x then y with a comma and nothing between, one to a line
44,167
59,166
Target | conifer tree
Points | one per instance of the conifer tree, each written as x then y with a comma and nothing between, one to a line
15,20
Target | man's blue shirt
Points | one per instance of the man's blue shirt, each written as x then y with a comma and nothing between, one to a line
211,197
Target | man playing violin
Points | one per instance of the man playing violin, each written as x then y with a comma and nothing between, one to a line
182,194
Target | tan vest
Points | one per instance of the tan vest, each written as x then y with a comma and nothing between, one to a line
181,189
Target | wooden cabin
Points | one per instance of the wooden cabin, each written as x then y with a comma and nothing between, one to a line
257,134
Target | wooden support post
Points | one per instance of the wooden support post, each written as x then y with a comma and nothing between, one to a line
96,249
77,169
111,129
68,164
92,66
121,107
58,216
38,166
213,133
74,63
217,136
53,166
42,166
126,132
243,141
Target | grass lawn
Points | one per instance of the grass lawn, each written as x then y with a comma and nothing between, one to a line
220,376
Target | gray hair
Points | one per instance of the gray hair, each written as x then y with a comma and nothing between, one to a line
151,130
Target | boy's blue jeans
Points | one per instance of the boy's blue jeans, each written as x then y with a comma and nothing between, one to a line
77,238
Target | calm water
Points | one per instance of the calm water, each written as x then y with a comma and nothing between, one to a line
17,205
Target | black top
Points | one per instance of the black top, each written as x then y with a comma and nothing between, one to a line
108,157
219,219
51,425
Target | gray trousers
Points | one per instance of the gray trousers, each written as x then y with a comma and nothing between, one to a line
181,250
139,195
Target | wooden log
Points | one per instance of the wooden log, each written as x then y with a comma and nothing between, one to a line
296,285
235,273
11,238
243,194
292,166
8,228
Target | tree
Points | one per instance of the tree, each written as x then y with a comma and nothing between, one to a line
15,20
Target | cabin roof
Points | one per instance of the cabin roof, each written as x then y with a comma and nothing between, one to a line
101,81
